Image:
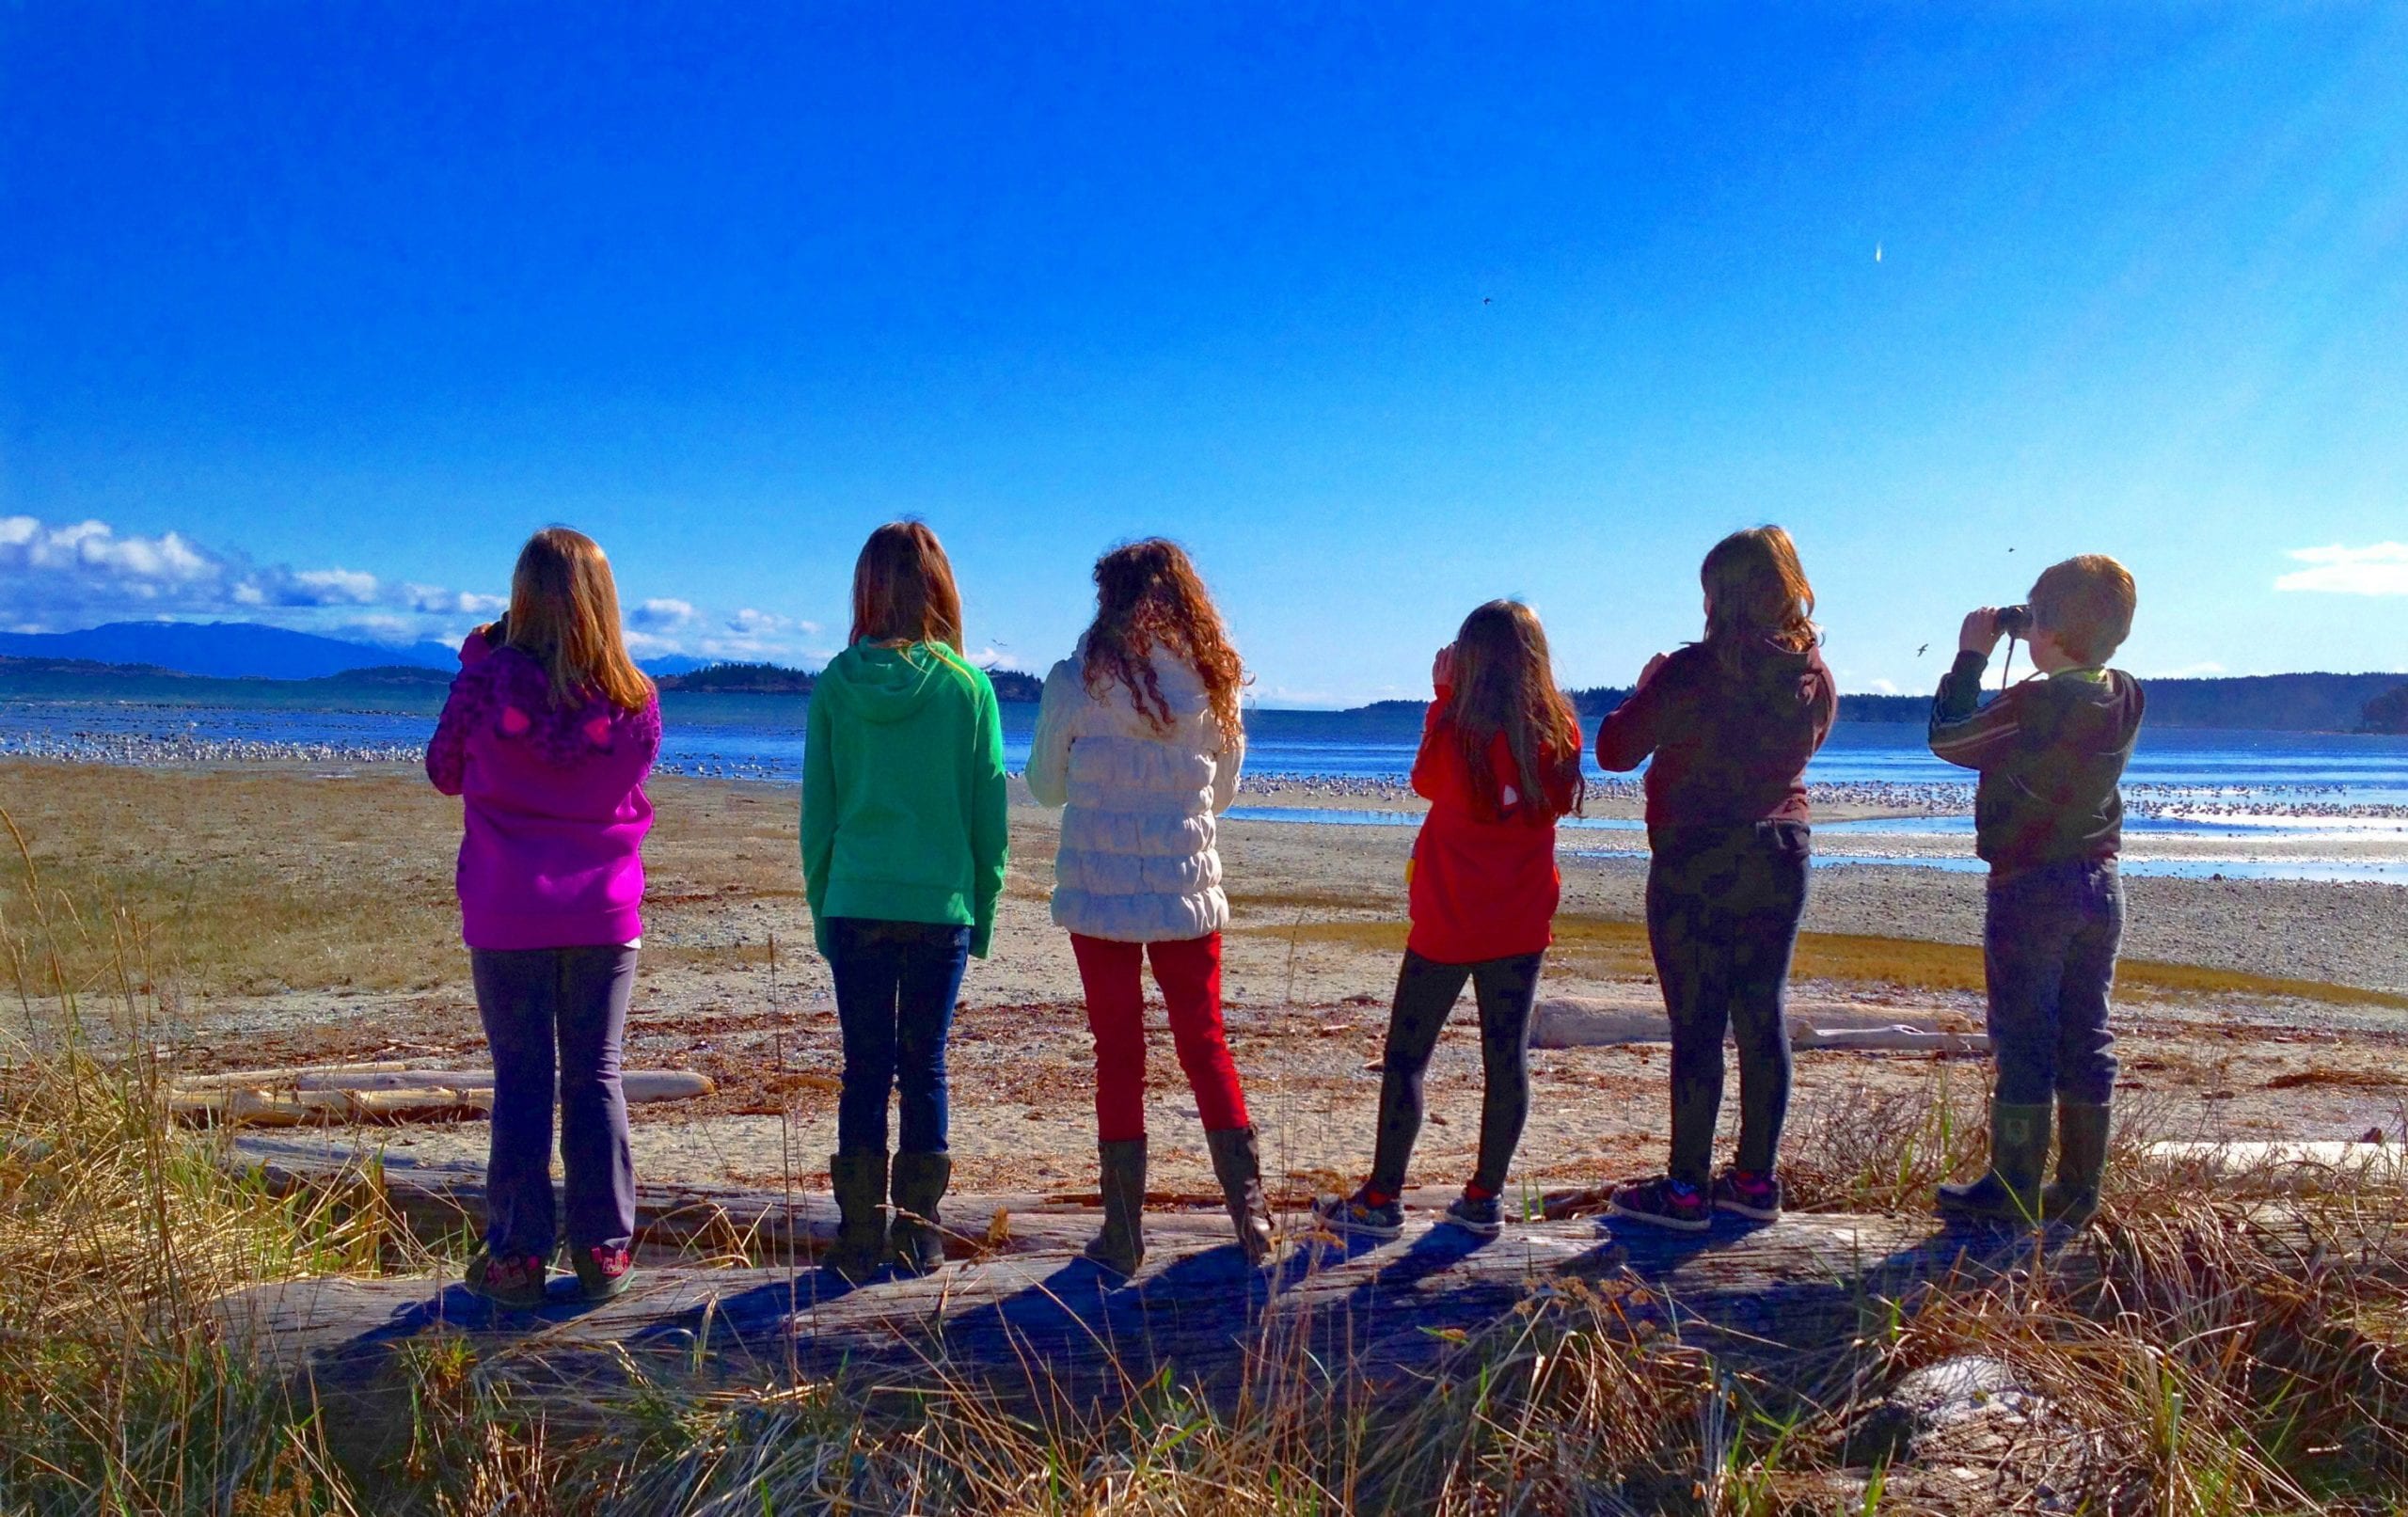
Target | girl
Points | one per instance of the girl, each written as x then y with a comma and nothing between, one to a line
904,837
547,736
1500,762
1732,721
1138,736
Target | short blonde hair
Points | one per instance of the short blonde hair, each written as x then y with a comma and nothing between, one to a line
2087,604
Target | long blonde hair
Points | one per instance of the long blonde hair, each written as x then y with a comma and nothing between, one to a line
564,615
903,588
1759,590
1504,682
1148,594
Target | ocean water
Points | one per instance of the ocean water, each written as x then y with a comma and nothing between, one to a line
2299,789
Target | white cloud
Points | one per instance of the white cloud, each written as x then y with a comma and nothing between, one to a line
2206,669
56,577
1886,686
2377,569
662,614
332,586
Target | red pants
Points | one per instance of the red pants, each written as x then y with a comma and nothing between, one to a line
1189,974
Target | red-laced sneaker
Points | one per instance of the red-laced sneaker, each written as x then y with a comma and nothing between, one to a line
603,1272
1664,1202
516,1282
1747,1194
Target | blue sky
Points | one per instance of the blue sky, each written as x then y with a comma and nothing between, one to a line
309,313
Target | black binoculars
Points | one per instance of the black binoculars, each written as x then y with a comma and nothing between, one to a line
2013,622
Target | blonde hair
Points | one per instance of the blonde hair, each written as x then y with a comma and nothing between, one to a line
2087,604
1148,594
1759,589
903,588
1504,682
564,615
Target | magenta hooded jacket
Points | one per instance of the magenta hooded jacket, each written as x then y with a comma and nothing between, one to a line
556,814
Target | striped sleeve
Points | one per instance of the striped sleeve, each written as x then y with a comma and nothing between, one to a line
1964,732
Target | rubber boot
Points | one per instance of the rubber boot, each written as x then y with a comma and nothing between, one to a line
917,1241
859,1180
2018,1156
1121,1247
1237,1161
2082,1163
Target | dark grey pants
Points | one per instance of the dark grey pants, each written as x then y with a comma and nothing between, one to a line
1723,906
537,1003
2048,947
1426,991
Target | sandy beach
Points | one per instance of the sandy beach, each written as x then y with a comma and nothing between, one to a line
295,914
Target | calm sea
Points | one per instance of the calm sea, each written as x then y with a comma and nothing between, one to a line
2298,789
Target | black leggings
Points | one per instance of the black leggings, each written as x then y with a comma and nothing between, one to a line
1723,911
1425,993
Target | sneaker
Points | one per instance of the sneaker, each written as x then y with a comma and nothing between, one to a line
1664,1202
1479,1215
1747,1194
1355,1217
603,1272
517,1283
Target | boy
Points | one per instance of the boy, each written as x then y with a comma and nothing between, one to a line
2047,818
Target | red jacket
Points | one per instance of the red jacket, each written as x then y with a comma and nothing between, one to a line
1483,883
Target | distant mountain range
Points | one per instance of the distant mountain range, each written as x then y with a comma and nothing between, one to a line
161,658
245,650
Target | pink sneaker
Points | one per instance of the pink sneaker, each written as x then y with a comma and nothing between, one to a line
603,1272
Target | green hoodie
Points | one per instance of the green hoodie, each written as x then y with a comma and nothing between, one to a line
903,798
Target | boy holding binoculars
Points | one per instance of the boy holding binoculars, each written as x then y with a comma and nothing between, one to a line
2049,820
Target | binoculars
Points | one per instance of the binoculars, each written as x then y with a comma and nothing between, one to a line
2013,622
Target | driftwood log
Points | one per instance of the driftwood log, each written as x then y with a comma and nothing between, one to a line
1582,1021
372,1093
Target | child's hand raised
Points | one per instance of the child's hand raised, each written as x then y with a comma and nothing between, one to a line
1653,666
1980,632
1442,669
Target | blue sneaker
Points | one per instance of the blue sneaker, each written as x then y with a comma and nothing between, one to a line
1664,1202
1353,1216
1480,1216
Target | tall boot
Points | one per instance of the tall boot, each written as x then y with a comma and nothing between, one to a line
1237,1162
859,1179
917,1243
2018,1156
1121,1247
2082,1163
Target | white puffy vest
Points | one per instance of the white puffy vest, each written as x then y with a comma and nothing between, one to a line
1137,862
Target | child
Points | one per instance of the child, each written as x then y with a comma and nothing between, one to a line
904,837
1731,721
1138,736
547,734
2049,819
1500,762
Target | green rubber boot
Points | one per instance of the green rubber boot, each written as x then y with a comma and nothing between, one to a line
917,1240
859,1180
2010,1191
2081,1165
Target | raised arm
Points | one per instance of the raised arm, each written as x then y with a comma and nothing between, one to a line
447,751
990,819
819,812
1963,730
1631,730
1049,753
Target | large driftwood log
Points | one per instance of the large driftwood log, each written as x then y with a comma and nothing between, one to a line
1050,1327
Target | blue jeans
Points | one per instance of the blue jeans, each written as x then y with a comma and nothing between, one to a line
534,1002
2049,952
1723,903
896,982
